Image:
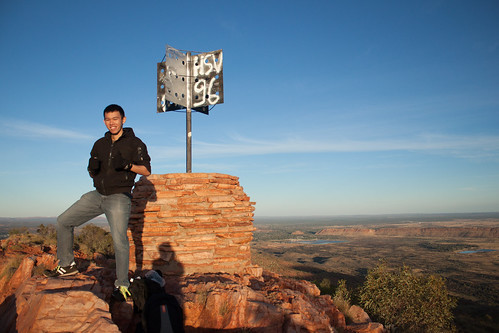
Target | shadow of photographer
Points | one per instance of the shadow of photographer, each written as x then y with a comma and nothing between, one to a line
144,213
144,193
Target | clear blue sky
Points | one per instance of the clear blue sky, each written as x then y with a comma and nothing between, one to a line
331,107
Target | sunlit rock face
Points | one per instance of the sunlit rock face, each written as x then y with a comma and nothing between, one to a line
255,300
187,223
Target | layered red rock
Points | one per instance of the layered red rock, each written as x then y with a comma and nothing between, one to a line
269,303
190,223
72,304
254,300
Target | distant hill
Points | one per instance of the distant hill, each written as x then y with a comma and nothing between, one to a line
26,221
417,231
343,220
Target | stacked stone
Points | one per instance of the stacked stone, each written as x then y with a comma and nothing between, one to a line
187,223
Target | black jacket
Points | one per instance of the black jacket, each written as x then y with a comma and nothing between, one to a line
106,154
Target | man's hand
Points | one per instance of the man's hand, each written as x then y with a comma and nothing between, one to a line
121,164
93,166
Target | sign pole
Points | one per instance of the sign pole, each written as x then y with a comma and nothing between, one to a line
190,81
188,159
188,167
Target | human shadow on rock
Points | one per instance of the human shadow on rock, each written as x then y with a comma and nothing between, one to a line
156,289
172,269
144,192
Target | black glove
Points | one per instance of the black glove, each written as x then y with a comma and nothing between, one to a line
93,166
120,164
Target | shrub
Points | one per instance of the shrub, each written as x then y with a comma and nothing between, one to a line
43,235
11,266
18,231
325,286
92,239
409,302
47,232
342,297
46,235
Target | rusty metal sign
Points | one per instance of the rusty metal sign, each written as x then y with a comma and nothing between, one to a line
186,80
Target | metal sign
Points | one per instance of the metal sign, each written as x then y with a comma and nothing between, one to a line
193,82
189,81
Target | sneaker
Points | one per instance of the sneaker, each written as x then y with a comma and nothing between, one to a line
62,271
121,293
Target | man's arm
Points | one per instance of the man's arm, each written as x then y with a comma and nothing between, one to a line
140,169
94,162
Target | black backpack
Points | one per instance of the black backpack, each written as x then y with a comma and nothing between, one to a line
160,312
163,314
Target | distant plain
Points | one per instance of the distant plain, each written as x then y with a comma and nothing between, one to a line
471,277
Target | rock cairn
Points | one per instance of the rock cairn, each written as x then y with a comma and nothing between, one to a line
187,223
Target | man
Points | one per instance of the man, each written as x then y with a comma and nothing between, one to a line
114,162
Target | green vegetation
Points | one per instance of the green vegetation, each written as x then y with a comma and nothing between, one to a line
446,247
45,235
400,299
407,301
47,232
11,266
92,239
271,235
325,286
89,239
18,231
342,297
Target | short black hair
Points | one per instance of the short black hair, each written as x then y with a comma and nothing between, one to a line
114,107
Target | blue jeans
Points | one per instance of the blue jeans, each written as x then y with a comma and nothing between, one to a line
116,207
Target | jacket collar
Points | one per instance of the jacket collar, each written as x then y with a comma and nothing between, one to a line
127,132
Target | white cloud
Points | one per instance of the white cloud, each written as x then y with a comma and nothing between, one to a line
463,146
21,128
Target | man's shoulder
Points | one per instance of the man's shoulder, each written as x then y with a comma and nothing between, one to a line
100,141
130,135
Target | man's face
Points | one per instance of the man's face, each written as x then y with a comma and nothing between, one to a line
114,122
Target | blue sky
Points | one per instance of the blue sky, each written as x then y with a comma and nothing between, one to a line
331,107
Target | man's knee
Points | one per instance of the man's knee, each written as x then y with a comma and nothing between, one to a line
60,221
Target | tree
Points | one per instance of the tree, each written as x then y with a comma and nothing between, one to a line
407,301
93,239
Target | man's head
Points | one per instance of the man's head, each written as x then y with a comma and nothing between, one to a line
114,118
114,107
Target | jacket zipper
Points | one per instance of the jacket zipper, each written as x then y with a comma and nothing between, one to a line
108,166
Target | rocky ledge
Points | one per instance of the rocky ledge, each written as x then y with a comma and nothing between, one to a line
255,301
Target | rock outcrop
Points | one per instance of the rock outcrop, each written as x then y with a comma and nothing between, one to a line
75,304
256,300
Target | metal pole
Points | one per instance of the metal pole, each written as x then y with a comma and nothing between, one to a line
188,117
188,167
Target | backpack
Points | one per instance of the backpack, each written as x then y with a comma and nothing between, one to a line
163,314
160,312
